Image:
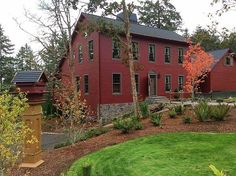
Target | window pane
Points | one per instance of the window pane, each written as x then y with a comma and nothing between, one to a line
181,55
78,83
167,54
135,50
115,49
167,83
80,53
86,84
181,82
91,50
116,83
152,52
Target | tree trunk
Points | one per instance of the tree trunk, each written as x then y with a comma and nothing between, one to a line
131,61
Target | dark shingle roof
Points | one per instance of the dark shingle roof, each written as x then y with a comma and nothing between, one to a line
27,76
218,54
140,29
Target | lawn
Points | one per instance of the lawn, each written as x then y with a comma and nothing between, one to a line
170,154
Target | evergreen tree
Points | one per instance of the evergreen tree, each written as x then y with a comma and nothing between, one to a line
6,61
161,14
25,59
208,40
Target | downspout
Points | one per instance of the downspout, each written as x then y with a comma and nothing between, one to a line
99,79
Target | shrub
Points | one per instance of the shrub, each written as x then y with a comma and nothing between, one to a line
91,133
187,119
219,112
137,124
144,109
125,125
179,109
202,111
156,119
64,144
172,114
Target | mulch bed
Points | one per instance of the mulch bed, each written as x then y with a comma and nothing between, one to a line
59,160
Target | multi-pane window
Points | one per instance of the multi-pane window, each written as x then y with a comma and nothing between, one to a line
228,61
90,50
86,84
80,53
137,82
167,54
180,82
115,49
116,83
152,52
78,83
135,50
181,55
167,83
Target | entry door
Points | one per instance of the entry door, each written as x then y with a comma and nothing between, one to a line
152,85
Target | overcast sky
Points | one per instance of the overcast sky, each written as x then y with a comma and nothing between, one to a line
193,12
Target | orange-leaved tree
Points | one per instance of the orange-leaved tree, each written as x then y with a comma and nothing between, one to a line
197,64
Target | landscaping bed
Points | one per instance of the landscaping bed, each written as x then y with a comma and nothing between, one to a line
59,160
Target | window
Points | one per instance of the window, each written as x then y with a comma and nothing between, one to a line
86,84
167,54
135,50
181,55
115,49
90,49
116,83
137,82
228,61
180,82
78,83
167,83
152,52
80,53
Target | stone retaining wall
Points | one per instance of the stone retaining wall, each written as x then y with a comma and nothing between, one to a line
110,111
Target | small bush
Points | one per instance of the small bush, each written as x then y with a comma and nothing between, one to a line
202,111
219,112
125,125
64,144
179,109
187,119
137,124
172,114
144,109
92,133
156,119
87,169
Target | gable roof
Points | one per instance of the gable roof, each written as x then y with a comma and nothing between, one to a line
218,54
139,29
28,77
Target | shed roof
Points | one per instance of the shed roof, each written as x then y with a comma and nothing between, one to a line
28,76
139,29
218,54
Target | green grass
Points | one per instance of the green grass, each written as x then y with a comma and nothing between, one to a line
171,154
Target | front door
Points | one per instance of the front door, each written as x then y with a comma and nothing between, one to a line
152,85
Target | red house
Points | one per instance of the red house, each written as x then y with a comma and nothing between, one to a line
105,81
222,77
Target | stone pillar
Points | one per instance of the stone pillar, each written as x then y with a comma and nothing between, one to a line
32,152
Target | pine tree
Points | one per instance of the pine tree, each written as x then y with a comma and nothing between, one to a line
161,14
6,61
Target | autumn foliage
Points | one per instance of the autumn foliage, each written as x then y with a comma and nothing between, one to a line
197,64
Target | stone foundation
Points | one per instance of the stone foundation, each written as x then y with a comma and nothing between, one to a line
110,111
